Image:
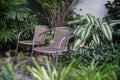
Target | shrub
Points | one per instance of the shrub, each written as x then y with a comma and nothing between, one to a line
14,17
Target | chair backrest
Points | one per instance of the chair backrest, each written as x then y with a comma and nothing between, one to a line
39,29
60,33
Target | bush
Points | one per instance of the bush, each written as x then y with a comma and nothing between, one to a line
14,17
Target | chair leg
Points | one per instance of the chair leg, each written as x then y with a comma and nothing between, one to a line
57,60
51,56
16,51
31,63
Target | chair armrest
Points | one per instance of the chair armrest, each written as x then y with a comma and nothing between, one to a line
65,37
20,33
59,45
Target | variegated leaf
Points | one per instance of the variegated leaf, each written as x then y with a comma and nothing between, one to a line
74,21
96,39
107,31
80,31
90,19
86,32
98,22
78,43
114,22
76,29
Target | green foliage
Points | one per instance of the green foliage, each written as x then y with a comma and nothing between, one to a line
113,17
56,12
14,17
85,55
69,72
49,73
91,29
50,6
6,36
95,72
113,10
93,40
9,13
117,62
8,70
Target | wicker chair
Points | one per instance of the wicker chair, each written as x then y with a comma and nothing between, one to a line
37,41
59,43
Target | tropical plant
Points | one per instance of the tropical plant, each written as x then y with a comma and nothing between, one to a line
113,15
8,70
92,40
84,55
56,11
49,73
113,10
91,30
95,72
14,17
116,61
69,72
10,11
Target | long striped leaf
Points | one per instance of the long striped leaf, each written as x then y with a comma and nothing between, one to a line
86,32
74,21
80,31
107,31
96,39
90,18
76,29
114,22
91,44
98,22
78,43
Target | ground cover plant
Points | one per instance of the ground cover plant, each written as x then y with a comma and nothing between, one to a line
69,72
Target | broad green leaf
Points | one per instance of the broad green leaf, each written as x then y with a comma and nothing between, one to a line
20,2
96,39
92,44
86,32
78,43
12,15
90,18
98,22
6,36
107,31
76,29
3,23
74,21
114,22
80,29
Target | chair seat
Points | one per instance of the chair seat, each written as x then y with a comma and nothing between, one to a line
28,42
47,50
